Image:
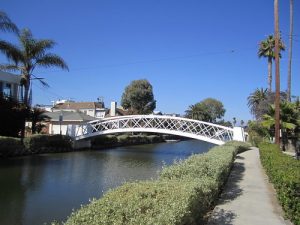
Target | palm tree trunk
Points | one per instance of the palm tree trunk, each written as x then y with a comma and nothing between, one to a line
277,78
290,51
270,73
26,95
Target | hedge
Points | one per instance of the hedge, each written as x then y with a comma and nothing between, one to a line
10,146
124,139
182,195
42,143
284,172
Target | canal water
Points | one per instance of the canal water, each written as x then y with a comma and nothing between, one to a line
41,188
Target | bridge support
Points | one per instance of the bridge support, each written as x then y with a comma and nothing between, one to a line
238,134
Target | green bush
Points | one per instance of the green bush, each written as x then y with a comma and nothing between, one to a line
10,146
284,172
183,194
156,202
47,143
105,140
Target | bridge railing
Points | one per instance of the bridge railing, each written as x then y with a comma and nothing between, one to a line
160,124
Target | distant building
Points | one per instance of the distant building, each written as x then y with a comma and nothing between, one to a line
65,122
10,85
172,114
93,109
115,111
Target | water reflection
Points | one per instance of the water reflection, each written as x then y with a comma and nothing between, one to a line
38,189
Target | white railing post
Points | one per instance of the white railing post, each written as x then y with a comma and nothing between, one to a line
238,134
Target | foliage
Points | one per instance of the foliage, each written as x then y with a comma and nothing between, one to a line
266,50
257,133
104,140
283,172
124,139
41,143
10,146
30,54
208,110
182,197
289,121
138,97
12,116
6,24
36,116
260,101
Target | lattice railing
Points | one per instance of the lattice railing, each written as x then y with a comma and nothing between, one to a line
160,124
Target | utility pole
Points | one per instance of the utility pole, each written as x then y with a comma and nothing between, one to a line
277,75
290,51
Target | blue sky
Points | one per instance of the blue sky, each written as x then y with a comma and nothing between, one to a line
188,50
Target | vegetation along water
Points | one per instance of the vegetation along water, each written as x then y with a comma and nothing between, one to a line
40,188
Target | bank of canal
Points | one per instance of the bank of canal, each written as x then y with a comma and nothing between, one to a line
40,188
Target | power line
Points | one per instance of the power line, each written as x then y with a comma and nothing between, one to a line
153,60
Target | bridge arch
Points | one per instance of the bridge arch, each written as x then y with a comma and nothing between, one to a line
195,129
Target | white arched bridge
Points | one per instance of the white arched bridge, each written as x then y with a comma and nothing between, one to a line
196,129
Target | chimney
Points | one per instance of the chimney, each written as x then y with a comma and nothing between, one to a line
113,108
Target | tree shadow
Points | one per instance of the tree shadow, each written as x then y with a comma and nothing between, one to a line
230,192
221,217
232,189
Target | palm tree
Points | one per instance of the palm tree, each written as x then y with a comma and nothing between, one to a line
6,24
290,51
256,101
266,49
30,54
234,121
36,116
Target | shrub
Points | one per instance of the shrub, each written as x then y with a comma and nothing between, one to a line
284,172
105,140
156,202
10,146
183,194
47,143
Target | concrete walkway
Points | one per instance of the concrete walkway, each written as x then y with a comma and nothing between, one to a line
248,198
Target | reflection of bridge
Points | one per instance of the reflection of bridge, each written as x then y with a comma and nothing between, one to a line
200,130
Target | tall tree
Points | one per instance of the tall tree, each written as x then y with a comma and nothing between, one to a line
30,54
266,50
138,97
257,102
6,24
260,100
289,86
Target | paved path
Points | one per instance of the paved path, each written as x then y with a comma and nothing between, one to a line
248,198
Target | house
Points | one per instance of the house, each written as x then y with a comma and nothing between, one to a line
93,109
65,122
10,85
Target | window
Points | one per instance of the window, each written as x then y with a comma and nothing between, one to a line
7,90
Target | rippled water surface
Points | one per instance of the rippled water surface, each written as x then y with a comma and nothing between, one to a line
41,188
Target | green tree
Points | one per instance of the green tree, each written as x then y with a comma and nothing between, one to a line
6,24
208,110
30,54
234,121
12,116
289,120
138,97
266,50
260,100
37,115
257,101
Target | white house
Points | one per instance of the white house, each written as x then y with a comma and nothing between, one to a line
10,85
61,122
